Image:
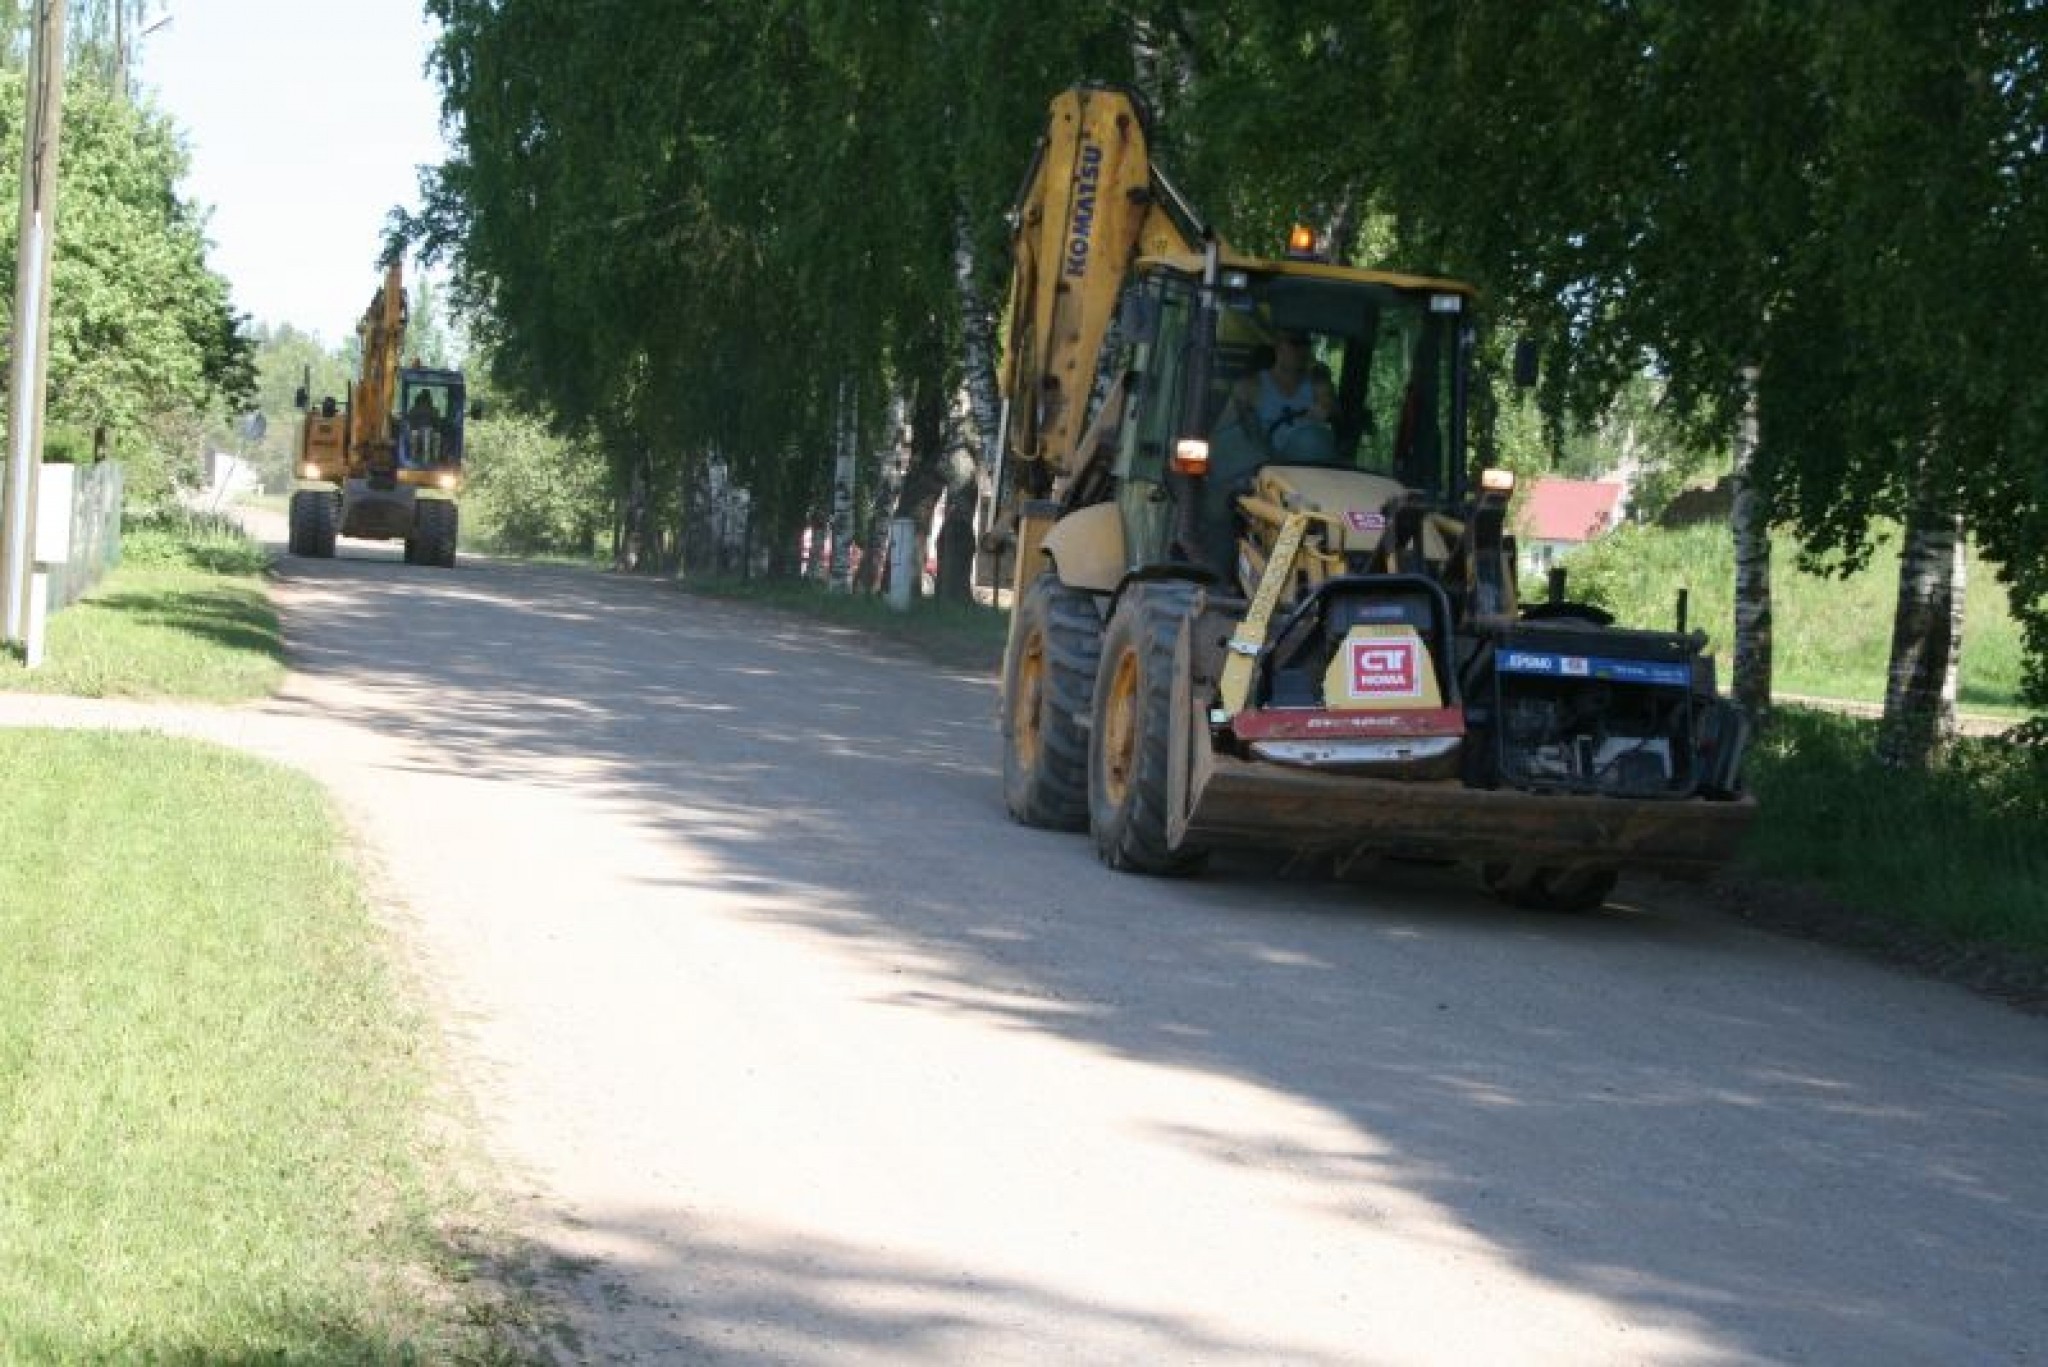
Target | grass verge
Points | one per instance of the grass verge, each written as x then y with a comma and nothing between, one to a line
1954,853
957,635
185,615
1831,637
210,1088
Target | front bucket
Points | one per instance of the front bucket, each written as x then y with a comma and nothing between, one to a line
1295,810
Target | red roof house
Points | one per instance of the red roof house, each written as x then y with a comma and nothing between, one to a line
1562,513
1570,511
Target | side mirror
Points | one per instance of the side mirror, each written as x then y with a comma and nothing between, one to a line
476,408
301,400
1525,364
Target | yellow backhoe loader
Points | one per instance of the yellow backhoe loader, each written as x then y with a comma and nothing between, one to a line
385,463
1260,597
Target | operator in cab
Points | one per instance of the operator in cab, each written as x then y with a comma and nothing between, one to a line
1288,401
423,429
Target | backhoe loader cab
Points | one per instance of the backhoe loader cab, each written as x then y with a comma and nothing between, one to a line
1384,396
1272,604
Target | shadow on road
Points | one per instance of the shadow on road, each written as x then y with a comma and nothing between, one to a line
1642,1106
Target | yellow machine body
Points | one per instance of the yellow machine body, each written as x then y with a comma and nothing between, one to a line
1277,607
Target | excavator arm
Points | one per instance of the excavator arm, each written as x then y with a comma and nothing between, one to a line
1092,204
382,333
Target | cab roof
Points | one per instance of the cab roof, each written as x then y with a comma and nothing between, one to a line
1190,264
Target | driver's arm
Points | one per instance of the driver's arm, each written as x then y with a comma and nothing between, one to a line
1243,402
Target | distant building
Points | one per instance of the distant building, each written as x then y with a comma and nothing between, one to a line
1563,513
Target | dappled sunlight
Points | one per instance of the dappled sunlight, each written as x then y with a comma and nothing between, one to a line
1600,1113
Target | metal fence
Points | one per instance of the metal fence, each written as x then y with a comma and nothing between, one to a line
95,533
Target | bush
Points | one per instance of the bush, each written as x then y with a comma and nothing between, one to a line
176,537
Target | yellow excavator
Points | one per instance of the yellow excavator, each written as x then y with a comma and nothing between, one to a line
386,462
1260,598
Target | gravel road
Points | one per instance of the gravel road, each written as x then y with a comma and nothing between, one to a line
793,1049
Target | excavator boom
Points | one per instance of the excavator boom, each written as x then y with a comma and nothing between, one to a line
1092,204
382,334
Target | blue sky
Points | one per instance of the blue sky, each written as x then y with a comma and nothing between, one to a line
306,121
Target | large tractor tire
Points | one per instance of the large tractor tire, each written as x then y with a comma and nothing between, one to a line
1139,697
314,519
1048,684
435,526
1549,889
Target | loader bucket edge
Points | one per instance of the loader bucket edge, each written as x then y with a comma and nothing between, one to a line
1238,802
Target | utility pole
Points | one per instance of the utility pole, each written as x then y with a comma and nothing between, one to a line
28,374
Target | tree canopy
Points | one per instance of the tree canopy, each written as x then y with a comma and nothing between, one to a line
698,227
144,342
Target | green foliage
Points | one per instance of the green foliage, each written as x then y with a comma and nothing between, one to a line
690,233
530,492
1956,849
143,342
695,234
1830,629
177,537
286,361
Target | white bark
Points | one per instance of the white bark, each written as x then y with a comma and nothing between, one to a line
1750,523
1919,697
847,444
980,390
978,353
1959,594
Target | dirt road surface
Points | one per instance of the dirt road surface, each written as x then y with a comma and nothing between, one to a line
794,1049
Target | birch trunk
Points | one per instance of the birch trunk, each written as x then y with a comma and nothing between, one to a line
1750,522
888,488
983,401
955,582
1958,603
633,549
842,493
926,478
1919,695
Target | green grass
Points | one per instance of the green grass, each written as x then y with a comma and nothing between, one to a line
1956,851
210,1088
185,615
958,635
1831,638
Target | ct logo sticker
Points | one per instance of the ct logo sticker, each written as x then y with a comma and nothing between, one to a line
1362,521
1384,669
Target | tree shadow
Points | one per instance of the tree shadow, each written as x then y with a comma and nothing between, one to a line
224,619
1723,1144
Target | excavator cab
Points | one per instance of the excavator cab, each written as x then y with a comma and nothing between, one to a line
430,419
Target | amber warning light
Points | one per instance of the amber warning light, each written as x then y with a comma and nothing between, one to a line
1301,241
